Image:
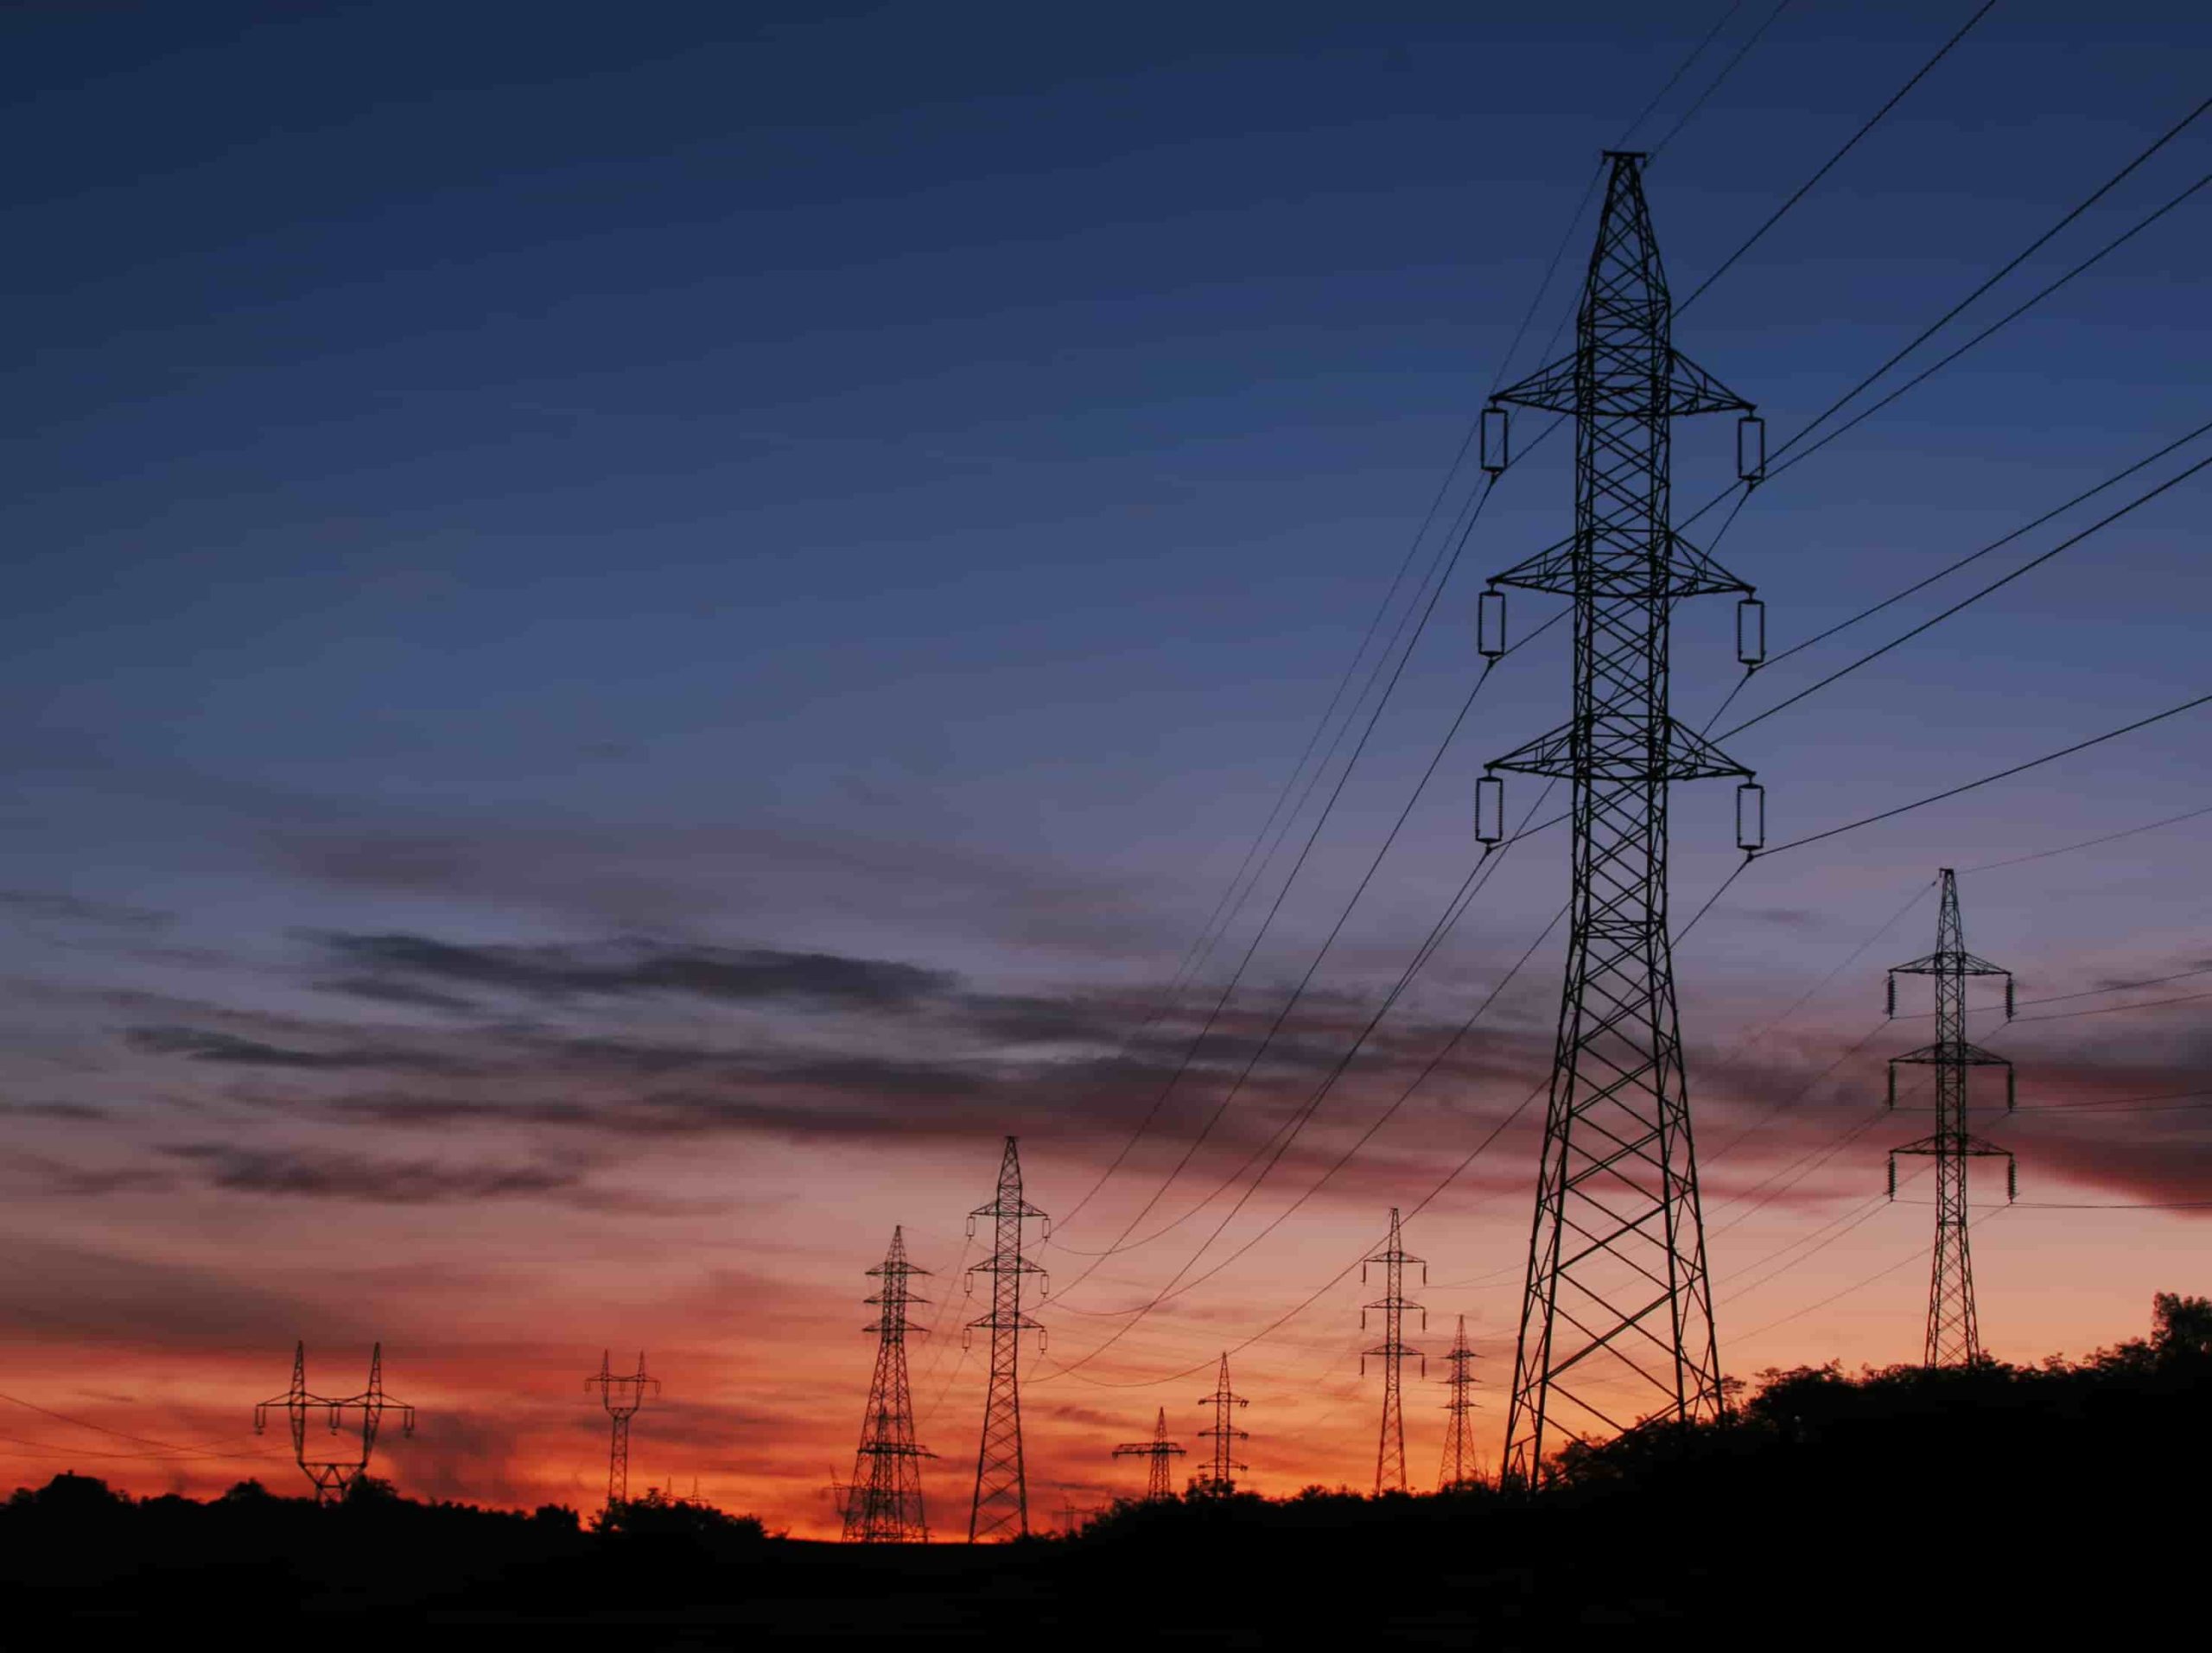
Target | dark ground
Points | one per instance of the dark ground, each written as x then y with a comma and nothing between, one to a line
2042,1506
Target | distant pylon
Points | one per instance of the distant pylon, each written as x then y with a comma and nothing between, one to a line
622,1393
884,1504
1953,1335
1156,1451
1391,1450
1002,1490
1458,1439
1617,1314
333,1477
1222,1478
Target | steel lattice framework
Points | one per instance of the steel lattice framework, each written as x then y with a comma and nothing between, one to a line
1459,1435
1953,1335
1617,1318
1002,1506
884,1504
1390,1448
1221,1478
622,1393
1157,1454
333,1477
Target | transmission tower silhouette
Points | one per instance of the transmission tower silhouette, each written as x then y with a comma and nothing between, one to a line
1617,1316
1156,1451
334,1477
622,1393
1391,1450
1953,1335
1001,1491
1459,1436
884,1504
1222,1478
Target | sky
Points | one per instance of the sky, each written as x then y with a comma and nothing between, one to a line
634,635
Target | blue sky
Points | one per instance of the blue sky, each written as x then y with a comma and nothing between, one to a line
900,485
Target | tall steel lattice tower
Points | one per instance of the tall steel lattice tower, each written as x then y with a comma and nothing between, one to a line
622,1394
1953,1338
1391,1450
1617,1320
1156,1452
1458,1434
884,1504
1221,1478
1001,1492
333,1477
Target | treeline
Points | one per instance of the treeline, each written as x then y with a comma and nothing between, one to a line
2066,1489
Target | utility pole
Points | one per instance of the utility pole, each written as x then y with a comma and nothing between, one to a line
1221,1480
1156,1452
1002,1506
1617,1315
333,1477
884,1504
1458,1469
1953,1337
622,1393
1390,1450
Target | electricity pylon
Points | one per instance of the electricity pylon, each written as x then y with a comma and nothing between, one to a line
1458,1437
1953,1336
623,1393
1001,1491
1391,1450
1617,1316
333,1477
1156,1451
884,1504
1222,1478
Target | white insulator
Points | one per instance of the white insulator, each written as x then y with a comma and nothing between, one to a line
1489,809
1493,439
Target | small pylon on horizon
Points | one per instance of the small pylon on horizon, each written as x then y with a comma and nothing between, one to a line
1156,1452
1221,1478
883,1504
1459,1469
622,1394
333,1477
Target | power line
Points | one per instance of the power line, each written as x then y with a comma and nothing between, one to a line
2088,843
1993,545
2007,269
1726,69
2107,1009
1850,144
2001,775
2010,316
1997,584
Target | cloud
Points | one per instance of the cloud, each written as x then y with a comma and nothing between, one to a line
77,1111
56,906
352,1176
650,877
747,975
204,1044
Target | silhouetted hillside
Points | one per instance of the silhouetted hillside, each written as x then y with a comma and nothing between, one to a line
1907,1504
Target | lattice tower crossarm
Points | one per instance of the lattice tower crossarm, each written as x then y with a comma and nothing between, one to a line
1616,1324
1000,1508
1954,1330
1390,1448
1221,1478
1158,1453
884,1504
1458,1469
